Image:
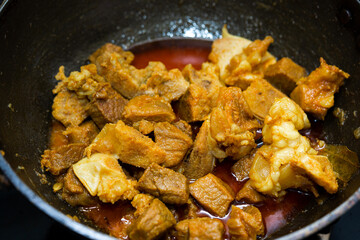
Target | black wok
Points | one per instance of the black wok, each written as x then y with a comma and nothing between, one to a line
36,37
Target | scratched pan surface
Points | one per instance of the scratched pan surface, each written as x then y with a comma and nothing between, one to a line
36,37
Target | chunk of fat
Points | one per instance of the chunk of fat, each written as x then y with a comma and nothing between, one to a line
225,48
284,146
102,176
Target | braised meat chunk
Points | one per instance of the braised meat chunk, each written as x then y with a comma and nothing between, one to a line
232,125
69,109
84,133
213,194
169,186
74,192
127,144
106,106
59,159
175,143
260,96
200,229
201,160
315,93
202,93
148,108
155,220
284,75
242,167
245,223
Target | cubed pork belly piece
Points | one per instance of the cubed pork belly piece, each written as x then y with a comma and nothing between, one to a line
249,65
106,106
184,127
201,160
200,229
245,223
213,194
170,85
232,125
242,167
141,202
59,159
169,186
144,126
102,176
74,192
57,138
150,108
260,96
249,194
84,133
284,75
154,221
127,144
202,94
175,143
315,93
69,109
114,64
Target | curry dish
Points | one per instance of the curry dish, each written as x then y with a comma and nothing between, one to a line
150,140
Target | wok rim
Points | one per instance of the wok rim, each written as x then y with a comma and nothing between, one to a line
92,233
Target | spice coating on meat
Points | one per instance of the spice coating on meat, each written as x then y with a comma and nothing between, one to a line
169,186
213,194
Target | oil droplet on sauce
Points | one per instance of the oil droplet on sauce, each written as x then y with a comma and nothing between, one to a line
114,218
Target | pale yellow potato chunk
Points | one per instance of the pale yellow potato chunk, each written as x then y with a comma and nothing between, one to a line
102,176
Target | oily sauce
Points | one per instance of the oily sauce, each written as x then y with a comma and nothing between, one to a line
276,213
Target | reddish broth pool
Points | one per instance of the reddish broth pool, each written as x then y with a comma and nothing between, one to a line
275,213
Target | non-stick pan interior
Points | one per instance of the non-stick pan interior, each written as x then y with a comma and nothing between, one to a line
36,37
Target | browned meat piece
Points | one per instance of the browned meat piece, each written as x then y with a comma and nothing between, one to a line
194,105
170,85
184,126
242,167
127,144
107,49
69,109
152,223
200,229
58,160
74,192
148,108
232,125
175,143
201,160
191,209
106,106
249,194
213,194
315,93
57,138
141,202
260,96
202,94
144,126
169,186
114,64
284,74
84,133
245,223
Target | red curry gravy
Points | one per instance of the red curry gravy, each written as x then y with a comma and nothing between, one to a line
275,213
